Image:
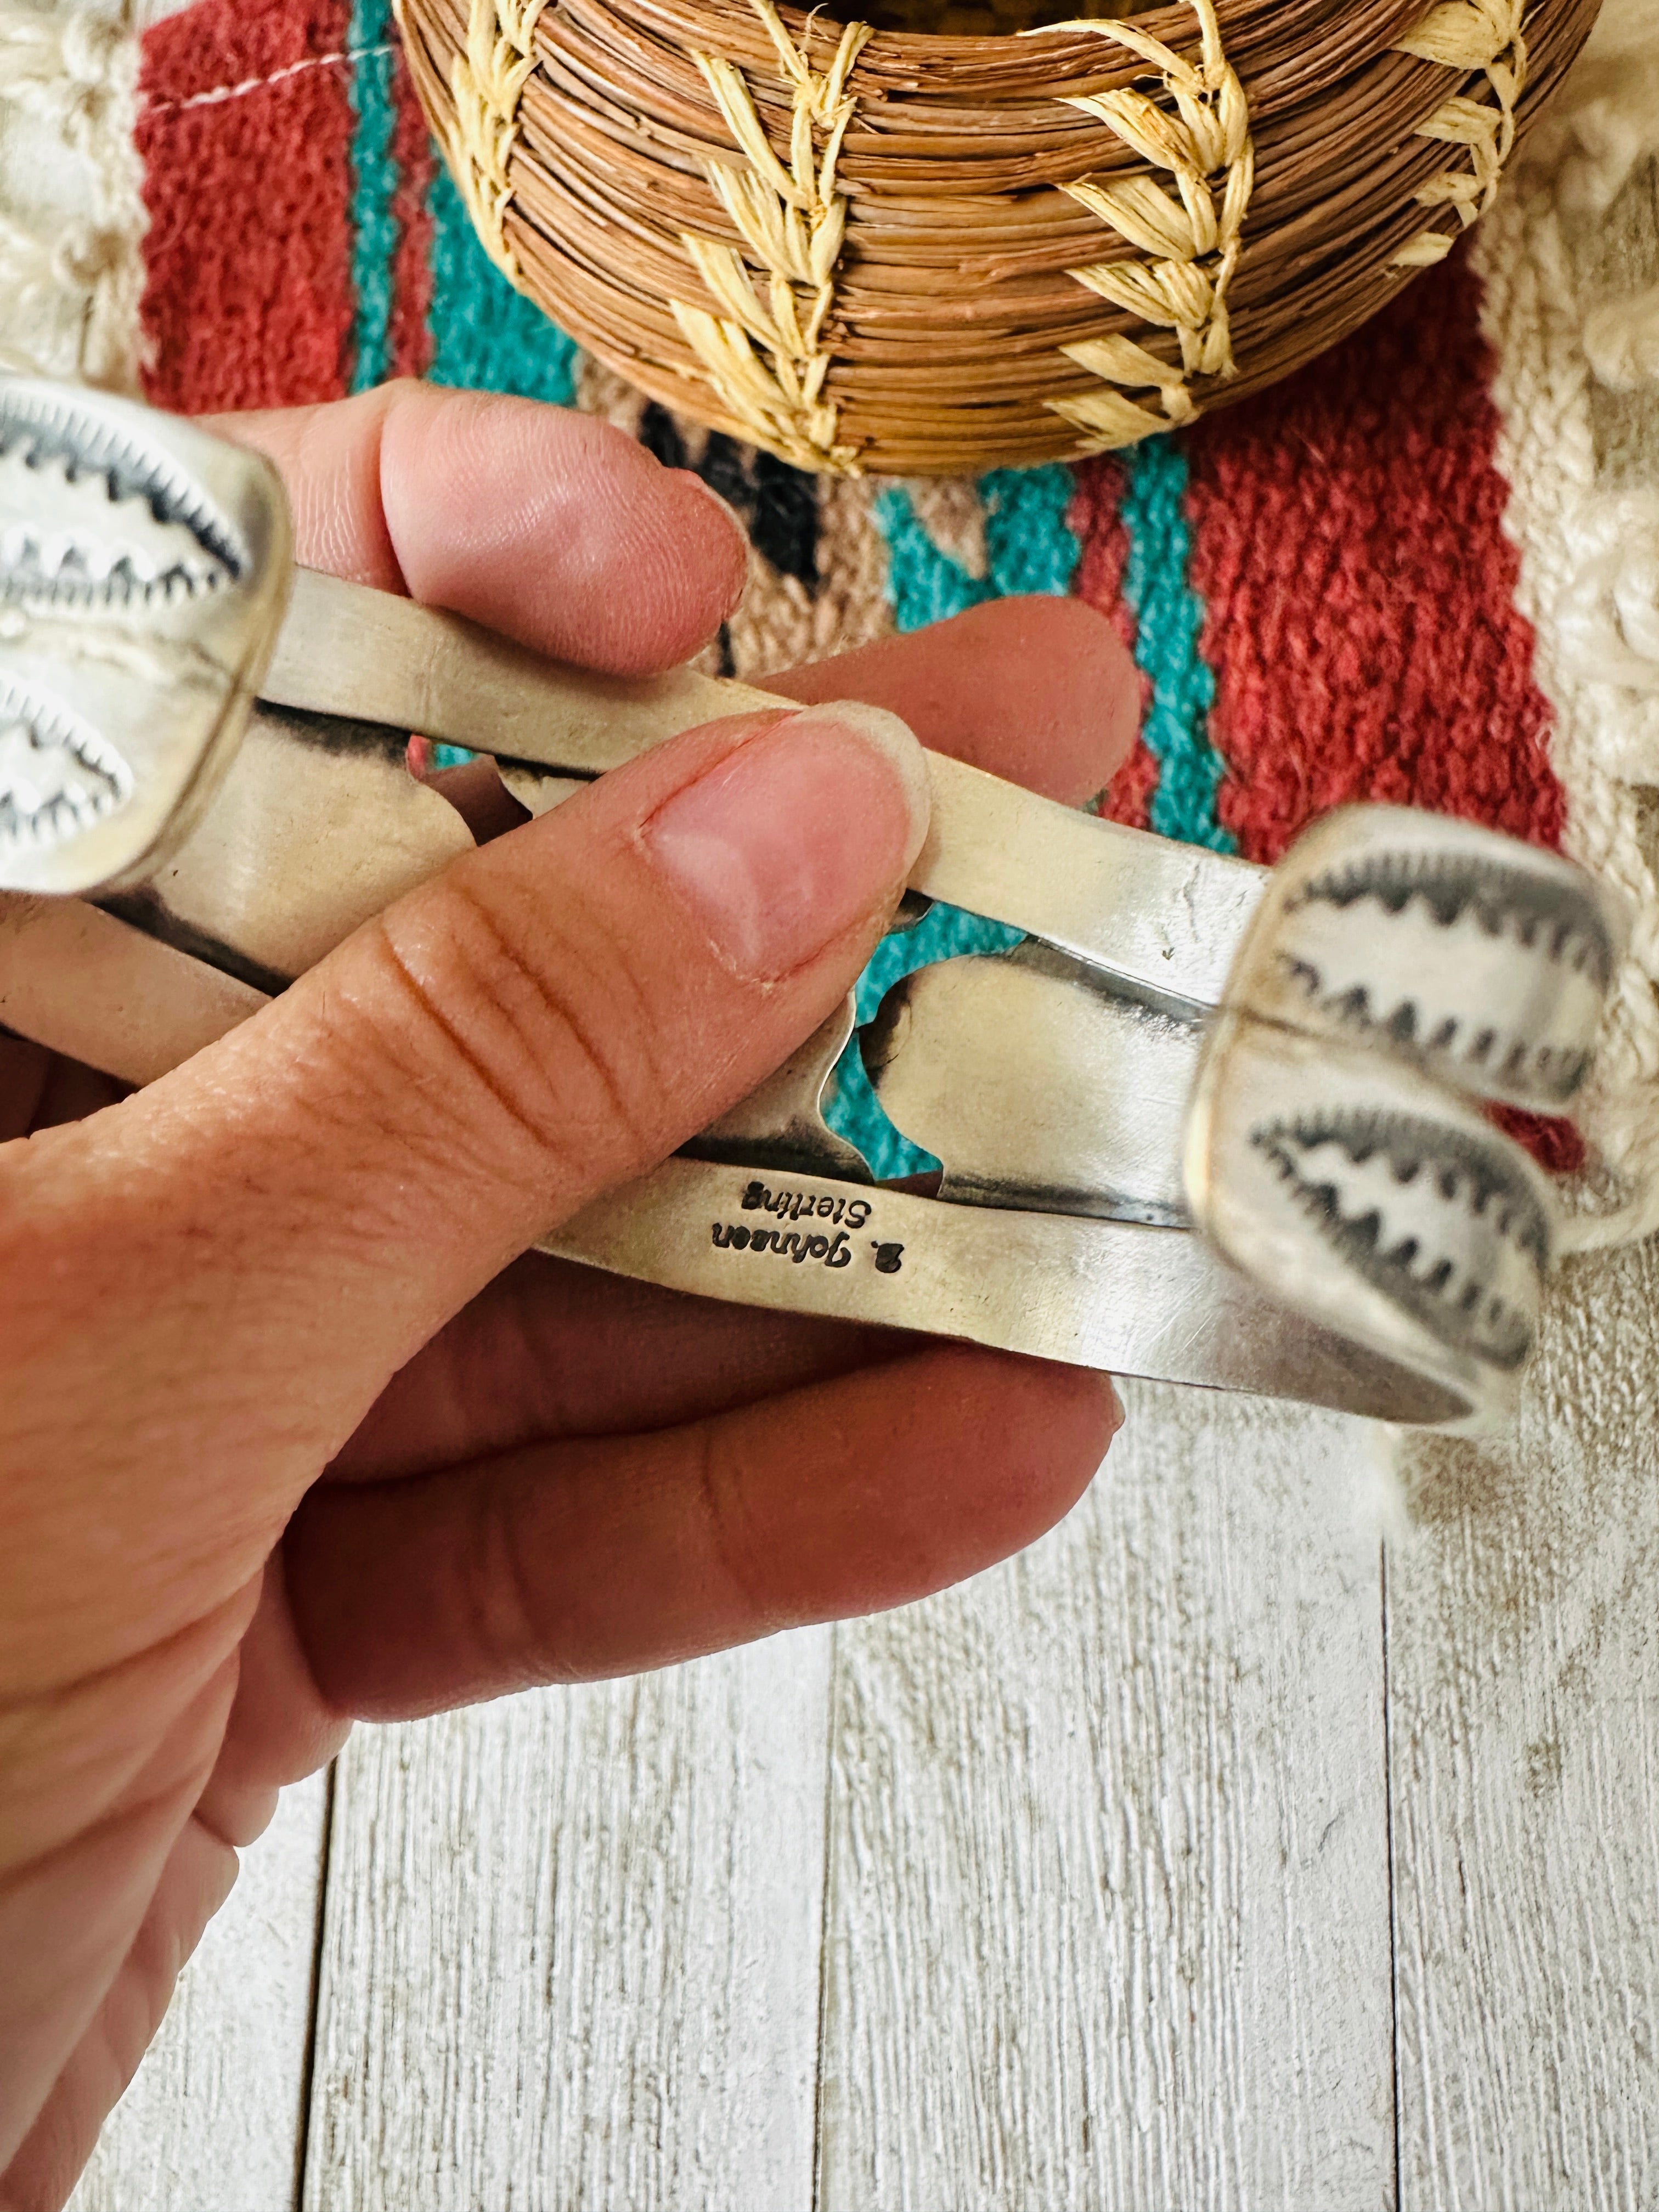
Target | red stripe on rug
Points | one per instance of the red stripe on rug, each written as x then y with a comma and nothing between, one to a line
411,271
1554,1144
1348,545
1095,520
245,129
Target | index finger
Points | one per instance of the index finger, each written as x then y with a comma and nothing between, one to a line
559,531
552,527
1042,691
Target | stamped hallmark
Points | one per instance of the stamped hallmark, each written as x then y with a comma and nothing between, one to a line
829,1246
795,1204
797,1244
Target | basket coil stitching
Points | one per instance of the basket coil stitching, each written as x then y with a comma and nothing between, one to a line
485,85
1193,243
764,352
793,223
1467,35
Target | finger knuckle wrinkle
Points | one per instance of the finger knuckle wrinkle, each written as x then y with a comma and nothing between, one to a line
733,1549
515,1637
526,1034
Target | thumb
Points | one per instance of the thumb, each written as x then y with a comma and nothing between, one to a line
241,1256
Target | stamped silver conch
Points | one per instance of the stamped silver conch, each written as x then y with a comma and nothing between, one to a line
1204,1122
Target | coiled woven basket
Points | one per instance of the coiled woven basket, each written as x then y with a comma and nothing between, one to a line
960,237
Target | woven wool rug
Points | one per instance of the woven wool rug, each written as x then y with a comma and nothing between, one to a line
1425,570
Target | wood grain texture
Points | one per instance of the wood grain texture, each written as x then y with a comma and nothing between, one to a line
1525,1751
1108,1916
212,2120
571,1949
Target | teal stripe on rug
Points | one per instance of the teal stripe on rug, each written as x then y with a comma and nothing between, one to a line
1169,622
371,43
1028,548
487,337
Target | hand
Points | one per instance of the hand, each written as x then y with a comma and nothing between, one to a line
288,1433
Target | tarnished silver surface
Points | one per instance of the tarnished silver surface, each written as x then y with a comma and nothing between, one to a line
781,1125
143,569
1202,1123
1166,917
369,657
1109,1294
88,986
1037,1084
319,825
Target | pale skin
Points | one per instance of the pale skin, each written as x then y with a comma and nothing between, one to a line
288,1433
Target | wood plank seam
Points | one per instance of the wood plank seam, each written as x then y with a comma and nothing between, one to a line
1394,1902
308,2072
822,2041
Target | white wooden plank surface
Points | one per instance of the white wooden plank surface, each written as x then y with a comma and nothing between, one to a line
212,2120
1108,1918
1107,1877
1523,1643
571,1949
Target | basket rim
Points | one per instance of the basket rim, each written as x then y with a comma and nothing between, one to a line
1165,165
1172,23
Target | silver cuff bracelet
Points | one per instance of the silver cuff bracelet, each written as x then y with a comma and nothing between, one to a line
1206,1121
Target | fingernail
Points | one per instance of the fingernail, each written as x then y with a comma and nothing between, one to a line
716,500
803,832
734,522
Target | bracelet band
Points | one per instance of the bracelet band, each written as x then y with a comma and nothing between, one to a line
1204,1122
